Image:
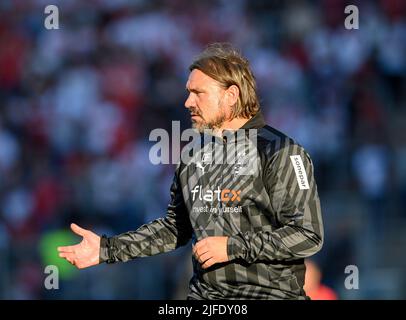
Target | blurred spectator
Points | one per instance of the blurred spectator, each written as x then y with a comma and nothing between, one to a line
314,287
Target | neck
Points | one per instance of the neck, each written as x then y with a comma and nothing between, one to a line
233,124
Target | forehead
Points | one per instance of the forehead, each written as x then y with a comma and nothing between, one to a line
198,79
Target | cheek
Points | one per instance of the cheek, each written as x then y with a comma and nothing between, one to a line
211,105
208,106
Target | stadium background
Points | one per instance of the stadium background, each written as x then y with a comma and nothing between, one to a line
77,105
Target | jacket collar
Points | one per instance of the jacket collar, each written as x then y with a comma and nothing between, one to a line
255,122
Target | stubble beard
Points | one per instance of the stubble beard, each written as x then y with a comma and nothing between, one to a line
211,125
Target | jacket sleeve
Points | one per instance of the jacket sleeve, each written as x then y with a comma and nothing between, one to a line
290,184
159,236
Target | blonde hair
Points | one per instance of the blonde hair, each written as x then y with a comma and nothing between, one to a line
223,63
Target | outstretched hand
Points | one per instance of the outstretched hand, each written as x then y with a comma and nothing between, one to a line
84,254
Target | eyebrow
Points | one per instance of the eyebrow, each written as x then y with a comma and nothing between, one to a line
194,90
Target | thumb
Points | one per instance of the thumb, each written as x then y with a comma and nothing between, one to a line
78,230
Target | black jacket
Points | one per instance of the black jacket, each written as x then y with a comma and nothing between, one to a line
264,199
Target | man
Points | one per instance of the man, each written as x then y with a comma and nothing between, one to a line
252,221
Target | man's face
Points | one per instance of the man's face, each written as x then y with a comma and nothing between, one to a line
205,101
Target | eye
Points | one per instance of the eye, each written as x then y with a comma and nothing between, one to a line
192,91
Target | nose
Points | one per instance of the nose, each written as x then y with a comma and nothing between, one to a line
189,101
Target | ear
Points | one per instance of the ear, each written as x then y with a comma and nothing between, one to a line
232,94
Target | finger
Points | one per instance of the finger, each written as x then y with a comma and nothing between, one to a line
201,244
200,252
194,250
66,255
68,258
204,257
208,263
66,249
78,230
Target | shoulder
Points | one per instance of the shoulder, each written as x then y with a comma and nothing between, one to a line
272,143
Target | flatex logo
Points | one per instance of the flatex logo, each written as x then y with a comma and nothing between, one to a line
223,195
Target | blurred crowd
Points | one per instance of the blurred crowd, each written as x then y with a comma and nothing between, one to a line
77,105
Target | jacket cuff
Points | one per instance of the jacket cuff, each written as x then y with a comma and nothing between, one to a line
235,248
105,250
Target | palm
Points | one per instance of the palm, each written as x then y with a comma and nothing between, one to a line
85,253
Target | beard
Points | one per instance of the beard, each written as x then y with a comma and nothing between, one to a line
202,124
